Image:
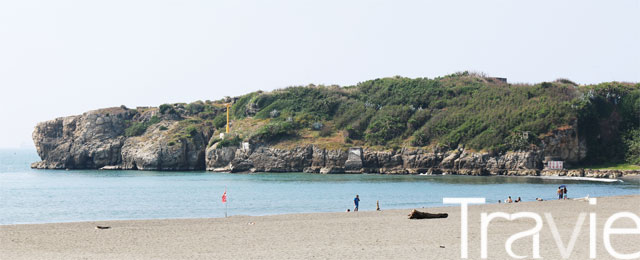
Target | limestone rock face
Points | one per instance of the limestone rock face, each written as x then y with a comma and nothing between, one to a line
565,144
219,158
155,150
96,140
88,141
354,159
279,160
313,159
307,158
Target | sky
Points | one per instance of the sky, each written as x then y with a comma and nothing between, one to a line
61,58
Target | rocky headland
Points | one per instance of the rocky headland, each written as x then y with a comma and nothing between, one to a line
191,137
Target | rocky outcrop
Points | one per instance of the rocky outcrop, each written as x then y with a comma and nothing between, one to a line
565,144
261,159
314,159
96,140
88,141
354,160
590,173
155,151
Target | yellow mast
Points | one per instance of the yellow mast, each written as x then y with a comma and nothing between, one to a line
228,106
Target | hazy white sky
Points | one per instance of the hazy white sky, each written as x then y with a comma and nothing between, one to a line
61,58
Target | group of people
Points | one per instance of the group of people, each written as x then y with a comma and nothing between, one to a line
562,192
509,200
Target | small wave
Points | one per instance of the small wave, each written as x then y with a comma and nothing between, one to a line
575,178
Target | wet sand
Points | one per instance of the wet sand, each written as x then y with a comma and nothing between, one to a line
387,234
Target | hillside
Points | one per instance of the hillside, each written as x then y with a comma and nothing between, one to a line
462,113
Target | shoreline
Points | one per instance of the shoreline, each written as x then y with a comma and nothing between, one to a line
426,208
569,174
305,213
353,235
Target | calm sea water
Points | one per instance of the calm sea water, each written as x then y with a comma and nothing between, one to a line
42,196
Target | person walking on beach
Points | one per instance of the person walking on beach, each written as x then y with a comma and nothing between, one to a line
356,202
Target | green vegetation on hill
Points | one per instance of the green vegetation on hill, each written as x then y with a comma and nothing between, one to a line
609,118
462,109
613,166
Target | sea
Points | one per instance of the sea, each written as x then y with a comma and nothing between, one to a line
49,196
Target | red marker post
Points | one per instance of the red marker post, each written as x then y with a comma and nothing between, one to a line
224,200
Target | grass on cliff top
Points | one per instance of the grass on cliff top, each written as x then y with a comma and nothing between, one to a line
333,141
614,166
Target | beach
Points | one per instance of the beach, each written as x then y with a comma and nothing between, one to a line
386,234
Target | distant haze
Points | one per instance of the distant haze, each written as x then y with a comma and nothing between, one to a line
60,58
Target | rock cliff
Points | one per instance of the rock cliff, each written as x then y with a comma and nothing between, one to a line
88,141
312,159
97,140
462,123
563,144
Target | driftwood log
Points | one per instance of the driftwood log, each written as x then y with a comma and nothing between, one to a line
420,215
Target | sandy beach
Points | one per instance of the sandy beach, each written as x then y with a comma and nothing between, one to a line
387,234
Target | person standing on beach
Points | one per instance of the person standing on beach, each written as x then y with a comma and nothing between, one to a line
564,190
560,192
356,202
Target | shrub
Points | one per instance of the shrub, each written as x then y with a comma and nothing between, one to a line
192,131
631,141
418,119
207,115
239,107
566,81
138,128
303,119
420,138
229,142
166,109
388,123
326,131
274,130
195,107
220,121
319,102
